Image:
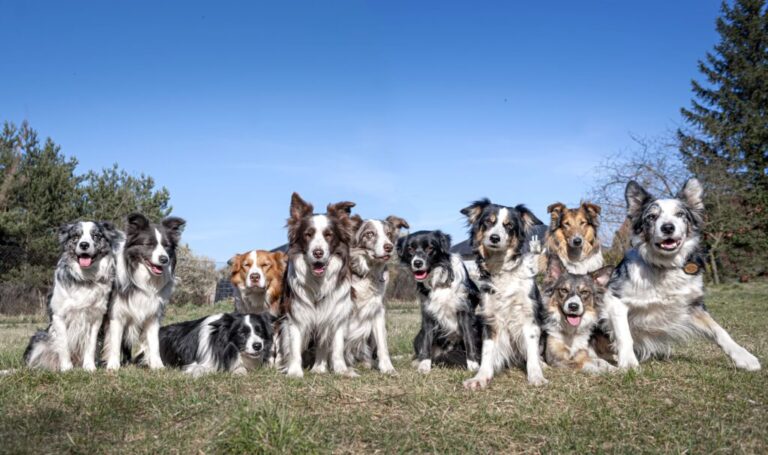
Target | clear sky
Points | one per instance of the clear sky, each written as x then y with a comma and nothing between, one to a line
413,108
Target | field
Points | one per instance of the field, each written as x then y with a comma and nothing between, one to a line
696,402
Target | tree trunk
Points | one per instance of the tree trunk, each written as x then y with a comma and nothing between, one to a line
713,264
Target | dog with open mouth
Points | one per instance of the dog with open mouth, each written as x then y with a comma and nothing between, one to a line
655,297
450,329
316,302
571,305
81,286
146,263
373,245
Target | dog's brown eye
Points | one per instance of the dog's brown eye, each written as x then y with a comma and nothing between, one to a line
583,223
567,224
680,214
563,292
585,293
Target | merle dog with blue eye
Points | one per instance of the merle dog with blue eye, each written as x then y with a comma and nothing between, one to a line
450,329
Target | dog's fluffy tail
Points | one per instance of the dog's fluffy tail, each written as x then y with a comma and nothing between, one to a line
40,352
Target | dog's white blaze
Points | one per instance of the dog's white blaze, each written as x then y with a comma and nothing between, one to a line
159,251
87,227
320,223
262,281
498,229
252,337
573,299
381,238
668,215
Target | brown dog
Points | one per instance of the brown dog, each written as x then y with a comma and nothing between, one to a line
572,236
258,279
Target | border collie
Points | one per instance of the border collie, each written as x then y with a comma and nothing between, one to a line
258,279
144,282
656,294
571,310
231,342
510,299
573,237
372,247
76,307
450,330
316,301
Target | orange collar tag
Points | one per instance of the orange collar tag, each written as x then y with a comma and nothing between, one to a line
691,268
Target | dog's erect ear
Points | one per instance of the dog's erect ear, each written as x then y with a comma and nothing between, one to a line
280,259
529,219
299,207
113,236
175,226
593,213
636,198
444,241
397,222
475,209
692,194
555,269
556,211
64,232
340,209
602,276
137,222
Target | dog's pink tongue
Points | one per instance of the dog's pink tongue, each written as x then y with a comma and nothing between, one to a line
84,261
573,320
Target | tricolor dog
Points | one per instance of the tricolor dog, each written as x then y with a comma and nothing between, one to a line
572,237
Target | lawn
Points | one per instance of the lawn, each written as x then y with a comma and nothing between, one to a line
696,402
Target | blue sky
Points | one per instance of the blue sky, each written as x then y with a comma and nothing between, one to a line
406,108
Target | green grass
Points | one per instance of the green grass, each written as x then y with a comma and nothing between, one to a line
696,402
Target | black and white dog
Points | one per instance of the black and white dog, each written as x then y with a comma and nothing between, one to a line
450,330
143,285
76,307
231,342
656,295
511,303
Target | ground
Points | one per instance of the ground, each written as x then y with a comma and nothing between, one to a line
695,402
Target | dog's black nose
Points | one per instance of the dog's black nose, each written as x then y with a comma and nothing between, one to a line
573,306
84,245
418,263
577,241
257,346
388,248
494,238
317,253
163,259
667,228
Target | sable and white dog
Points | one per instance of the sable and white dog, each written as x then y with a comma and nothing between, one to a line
656,294
146,263
510,304
258,279
76,307
316,301
372,247
572,236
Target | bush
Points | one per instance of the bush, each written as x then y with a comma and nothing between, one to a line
196,278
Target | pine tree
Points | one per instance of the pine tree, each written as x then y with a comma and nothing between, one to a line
726,145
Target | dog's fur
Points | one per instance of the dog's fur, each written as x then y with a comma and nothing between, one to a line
656,294
316,301
450,330
145,276
571,305
511,303
572,237
258,280
372,247
81,287
231,342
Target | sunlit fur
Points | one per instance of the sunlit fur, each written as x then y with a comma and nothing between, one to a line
656,295
572,237
372,247
316,301
257,276
81,285
571,305
450,329
510,298
145,265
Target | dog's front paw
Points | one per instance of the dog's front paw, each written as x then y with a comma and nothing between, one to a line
477,383
66,366
425,366
295,371
629,363
746,361
113,365
472,365
319,368
348,373
89,366
537,380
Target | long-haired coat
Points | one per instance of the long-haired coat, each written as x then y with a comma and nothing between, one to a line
316,301
510,302
146,263
258,280
81,286
372,247
572,236
656,294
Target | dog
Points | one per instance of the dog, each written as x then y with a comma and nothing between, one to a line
511,303
82,284
257,277
656,295
316,302
450,329
144,281
572,236
571,312
230,342
372,247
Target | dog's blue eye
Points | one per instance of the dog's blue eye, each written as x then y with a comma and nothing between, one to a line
680,214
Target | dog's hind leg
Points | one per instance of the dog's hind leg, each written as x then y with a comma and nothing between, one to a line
704,323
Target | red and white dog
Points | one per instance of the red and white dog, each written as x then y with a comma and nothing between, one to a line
258,280
316,301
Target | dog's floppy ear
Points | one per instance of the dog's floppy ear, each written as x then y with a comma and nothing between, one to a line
593,213
357,222
397,222
175,227
444,240
529,219
64,232
400,245
475,209
601,276
636,198
113,236
341,211
281,259
299,208
137,222
556,210
692,194
236,264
